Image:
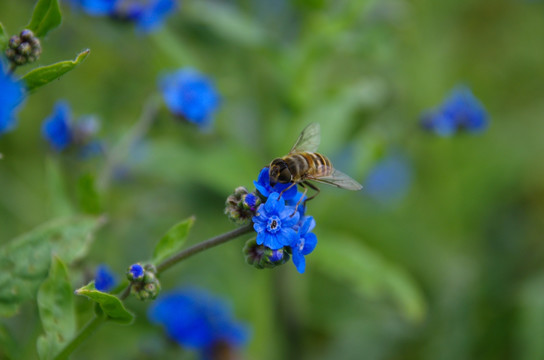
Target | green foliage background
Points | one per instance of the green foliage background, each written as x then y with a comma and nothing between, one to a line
455,270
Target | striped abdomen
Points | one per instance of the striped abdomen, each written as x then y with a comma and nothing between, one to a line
308,165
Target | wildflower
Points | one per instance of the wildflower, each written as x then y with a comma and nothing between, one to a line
57,129
265,189
190,95
389,180
12,96
96,7
61,132
104,279
305,243
274,223
460,111
299,199
23,48
199,321
148,15
262,257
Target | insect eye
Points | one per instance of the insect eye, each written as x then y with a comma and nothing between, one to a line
285,176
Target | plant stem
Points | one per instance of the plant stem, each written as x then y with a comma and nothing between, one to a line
206,244
122,150
84,333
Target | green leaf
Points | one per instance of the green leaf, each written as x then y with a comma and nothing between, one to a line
173,240
9,348
46,17
25,261
370,275
4,39
88,197
45,74
110,304
57,311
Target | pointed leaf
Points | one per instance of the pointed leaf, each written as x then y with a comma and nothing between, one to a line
57,311
110,304
368,273
25,261
58,197
173,240
46,17
45,74
3,38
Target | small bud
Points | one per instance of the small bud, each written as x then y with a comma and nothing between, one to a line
240,206
147,289
23,48
261,256
135,272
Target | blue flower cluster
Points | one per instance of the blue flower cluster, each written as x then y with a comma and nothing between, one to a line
280,224
459,111
190,95
147,15
60,132
12,96
199,321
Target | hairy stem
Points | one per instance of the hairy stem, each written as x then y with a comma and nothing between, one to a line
84,333
122,150
206,244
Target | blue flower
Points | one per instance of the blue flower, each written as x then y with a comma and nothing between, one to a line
96,7
461,110
263,186
295,200
149,15
135,272
191,95
389,180
274,223
12,96
105,279
199,321
57,129
305,244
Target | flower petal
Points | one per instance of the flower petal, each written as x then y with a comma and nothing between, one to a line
310,241
299,261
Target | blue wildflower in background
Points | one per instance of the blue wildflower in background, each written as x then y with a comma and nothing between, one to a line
305,243
199,321
96,7
459,111
149,15
190,95
265,189
389,180
274,223
105,280
57,128
12,94
61,132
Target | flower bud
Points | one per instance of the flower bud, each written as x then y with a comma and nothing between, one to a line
261,256
147,289
241,205
23,48
135,273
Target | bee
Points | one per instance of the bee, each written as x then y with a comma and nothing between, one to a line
303,163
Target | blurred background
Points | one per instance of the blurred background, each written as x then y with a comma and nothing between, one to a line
440,256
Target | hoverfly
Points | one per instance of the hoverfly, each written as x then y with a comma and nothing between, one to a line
303,163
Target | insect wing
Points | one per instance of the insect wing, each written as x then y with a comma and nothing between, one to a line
340,180
308,139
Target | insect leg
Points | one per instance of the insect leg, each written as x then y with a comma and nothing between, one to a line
287,188
314,188
300,200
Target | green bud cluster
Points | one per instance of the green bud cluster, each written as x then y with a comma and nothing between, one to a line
262,257
23,48
237,209
147,286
